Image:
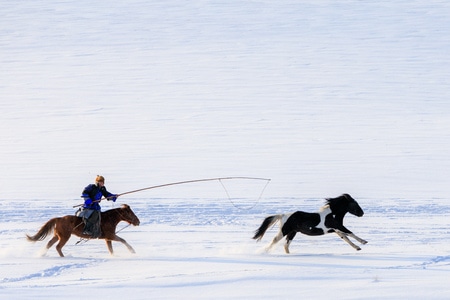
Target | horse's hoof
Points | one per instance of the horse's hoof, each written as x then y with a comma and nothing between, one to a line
364,242
358,249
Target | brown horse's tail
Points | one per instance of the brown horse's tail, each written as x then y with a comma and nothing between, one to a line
269,221
43,232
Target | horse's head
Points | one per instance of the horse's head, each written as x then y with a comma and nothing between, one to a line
345,203
353,206
128,215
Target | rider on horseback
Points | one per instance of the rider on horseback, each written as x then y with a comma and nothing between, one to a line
90,213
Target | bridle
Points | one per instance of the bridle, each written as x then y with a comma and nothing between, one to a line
123,219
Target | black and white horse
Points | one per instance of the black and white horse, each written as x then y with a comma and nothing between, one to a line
329,219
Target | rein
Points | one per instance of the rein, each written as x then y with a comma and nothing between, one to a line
123,228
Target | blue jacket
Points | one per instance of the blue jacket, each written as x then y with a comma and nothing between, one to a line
92,195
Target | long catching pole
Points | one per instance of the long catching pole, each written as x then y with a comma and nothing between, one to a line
189,181
192,181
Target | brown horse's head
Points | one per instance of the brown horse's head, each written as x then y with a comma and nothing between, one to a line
128,215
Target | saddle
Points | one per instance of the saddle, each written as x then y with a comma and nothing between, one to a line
91,219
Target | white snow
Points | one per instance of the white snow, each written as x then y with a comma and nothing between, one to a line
323,97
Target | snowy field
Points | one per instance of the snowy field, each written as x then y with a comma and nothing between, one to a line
322,97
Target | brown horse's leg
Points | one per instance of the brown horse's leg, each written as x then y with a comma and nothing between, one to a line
119,239
62,241
50,244
109,245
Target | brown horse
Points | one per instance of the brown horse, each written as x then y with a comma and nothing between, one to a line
64,227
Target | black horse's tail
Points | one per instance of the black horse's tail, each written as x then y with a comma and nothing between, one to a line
269,221
43,232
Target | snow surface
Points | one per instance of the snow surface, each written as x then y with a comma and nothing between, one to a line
323,97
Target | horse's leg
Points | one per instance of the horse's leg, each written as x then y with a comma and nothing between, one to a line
352,235
275,240
289,239
62,241
119,239
109,245
343,236
50,244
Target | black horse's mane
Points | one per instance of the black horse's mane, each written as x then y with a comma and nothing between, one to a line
333,201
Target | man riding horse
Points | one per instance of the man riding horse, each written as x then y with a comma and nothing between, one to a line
92,195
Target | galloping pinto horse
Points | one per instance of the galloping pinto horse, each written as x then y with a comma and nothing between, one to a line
329,219
64,227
